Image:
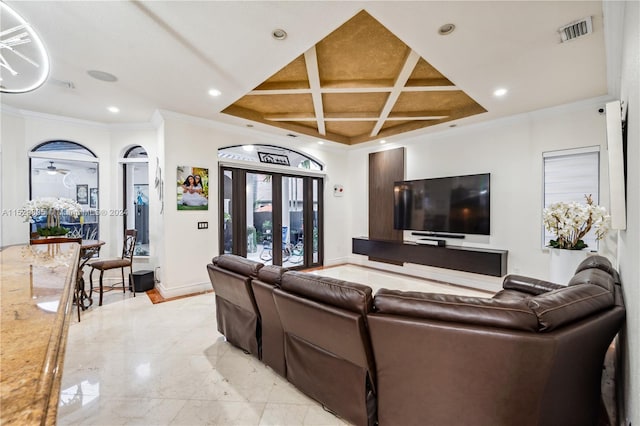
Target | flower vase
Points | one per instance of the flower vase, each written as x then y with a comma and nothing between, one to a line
563,264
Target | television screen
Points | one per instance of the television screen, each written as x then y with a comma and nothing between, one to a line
456,205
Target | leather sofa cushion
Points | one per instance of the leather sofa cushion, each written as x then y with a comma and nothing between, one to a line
238,264
271,274
569,304
343,294
593,276
507,313
528,285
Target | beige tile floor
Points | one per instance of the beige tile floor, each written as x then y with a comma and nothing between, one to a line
130,362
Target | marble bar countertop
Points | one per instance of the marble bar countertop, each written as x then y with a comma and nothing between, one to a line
36,289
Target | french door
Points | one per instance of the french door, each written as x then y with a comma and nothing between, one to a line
273,218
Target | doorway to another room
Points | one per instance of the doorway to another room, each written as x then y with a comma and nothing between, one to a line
271,217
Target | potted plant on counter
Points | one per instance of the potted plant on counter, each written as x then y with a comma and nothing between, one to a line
53,209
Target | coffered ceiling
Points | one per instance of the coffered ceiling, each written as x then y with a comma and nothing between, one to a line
348,71
357,84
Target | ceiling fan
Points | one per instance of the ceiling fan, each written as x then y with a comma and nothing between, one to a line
52,170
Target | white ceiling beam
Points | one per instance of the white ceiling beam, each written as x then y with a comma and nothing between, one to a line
355,90
311,59
403,76
301,118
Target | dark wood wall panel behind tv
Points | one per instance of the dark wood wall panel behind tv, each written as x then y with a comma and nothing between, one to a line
385,168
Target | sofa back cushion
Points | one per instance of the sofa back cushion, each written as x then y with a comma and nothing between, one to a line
598,262
238,264
233,287
506,313
326,342
353,297
593,276
559,307
271,274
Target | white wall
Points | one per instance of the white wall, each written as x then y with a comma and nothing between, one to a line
511,150
630,238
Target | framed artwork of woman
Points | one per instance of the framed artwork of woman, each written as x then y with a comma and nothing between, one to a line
192,186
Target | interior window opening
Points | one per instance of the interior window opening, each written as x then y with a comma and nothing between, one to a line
136,196
65,169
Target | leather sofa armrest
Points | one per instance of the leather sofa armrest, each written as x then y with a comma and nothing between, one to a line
528,285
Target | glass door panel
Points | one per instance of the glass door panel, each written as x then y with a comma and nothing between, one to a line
263,217
227,203
316,230
292,221
259,195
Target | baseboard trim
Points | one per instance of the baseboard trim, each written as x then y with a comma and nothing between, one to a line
185,290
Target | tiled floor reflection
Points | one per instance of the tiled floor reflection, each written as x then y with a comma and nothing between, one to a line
130,362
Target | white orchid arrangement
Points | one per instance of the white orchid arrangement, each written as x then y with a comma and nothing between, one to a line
52,208
570,222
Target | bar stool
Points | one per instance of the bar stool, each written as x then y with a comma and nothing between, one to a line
126,260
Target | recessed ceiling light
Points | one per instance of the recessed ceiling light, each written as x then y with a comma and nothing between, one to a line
320,142
446,29
500,92
215,92
382,142
113,109
279,34
102,76
247,148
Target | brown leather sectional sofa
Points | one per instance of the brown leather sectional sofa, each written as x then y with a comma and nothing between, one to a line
530,355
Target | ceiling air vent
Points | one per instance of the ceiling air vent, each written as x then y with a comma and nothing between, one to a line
576,29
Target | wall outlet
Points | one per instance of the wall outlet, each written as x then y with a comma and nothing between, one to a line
203,225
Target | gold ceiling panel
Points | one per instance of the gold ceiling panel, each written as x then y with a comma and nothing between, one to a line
433,101
389,124
426,75
354,102
293,76
360,50
350,129
278,104
360,83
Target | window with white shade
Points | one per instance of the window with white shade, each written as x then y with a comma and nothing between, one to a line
568,176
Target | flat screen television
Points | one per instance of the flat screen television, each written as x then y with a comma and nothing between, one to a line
449,205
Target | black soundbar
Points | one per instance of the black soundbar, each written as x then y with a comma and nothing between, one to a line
437,234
